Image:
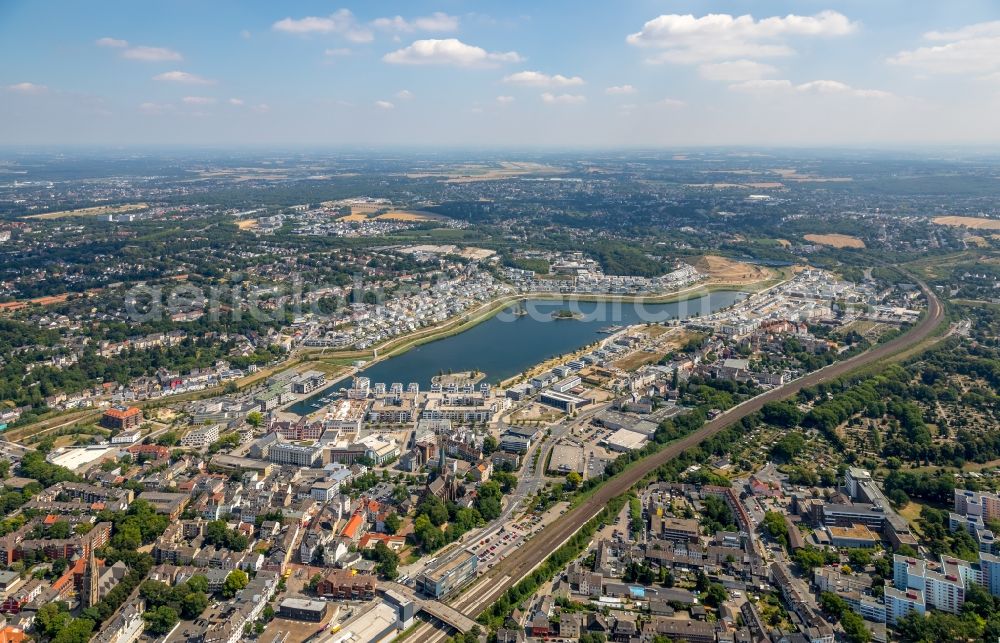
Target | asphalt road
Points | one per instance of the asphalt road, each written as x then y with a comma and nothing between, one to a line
516,566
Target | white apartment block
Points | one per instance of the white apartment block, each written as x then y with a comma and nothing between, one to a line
201,436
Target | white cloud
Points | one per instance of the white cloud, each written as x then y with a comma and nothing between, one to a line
973,49
198,100
384,104
564,99
505,100
111,42
155,109
736,70
245,34
139,52
539,79
671,102
27,88
261,108
151,54
436,22
341,23
752,86
619,90
449,51
235,101
828,87
837,87
717,36
183,77
404,94
978,30
338,51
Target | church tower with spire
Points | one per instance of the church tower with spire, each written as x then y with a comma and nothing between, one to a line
90,594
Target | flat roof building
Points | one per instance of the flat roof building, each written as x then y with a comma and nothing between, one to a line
301,609
853,536
447,576
624,440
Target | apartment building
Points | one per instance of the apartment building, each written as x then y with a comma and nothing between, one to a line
201,436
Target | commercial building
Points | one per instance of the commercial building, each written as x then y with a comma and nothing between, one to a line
347,416
448,575
853,536
301,609
566,458
379,448
564,401
677,529
126,437
325,490
517,439
568,384
300,455
624,440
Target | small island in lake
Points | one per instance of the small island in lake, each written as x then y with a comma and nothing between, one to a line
565,313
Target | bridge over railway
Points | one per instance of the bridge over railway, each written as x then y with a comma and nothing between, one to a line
436,609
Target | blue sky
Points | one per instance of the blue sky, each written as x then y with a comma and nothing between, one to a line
514,73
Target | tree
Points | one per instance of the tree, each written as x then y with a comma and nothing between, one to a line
235,581
716,595
160,620
776,527
193,604
859,557
255,419
387,559
490,444
506,480
392,523
77,631
854,627
782,414
488,500
979,601
51,618
788,447
59,529
435,509
198,583
573,480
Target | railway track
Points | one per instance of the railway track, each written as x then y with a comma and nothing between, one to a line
476,599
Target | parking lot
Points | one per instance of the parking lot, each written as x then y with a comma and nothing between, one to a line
494,548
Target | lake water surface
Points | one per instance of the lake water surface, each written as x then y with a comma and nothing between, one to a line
509,343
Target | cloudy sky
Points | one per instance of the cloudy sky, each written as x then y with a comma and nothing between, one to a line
500,73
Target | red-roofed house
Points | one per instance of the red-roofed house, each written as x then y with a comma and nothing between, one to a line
354,528
120,417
